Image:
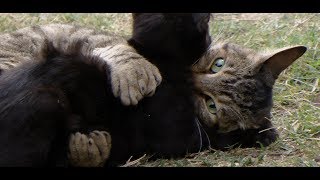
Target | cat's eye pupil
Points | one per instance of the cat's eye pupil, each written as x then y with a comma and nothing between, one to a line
211,106
217,66
220,63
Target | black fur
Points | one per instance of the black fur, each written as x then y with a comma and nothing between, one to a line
38,100
165,124
41,103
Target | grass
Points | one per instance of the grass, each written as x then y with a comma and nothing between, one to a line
295,113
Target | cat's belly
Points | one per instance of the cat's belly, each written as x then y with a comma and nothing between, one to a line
163,125
170,128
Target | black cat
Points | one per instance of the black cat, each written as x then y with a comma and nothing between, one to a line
42,102
164,124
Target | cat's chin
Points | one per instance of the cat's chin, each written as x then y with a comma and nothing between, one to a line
244,139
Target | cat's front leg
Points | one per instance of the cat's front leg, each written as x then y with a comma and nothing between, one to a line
91,150
132,76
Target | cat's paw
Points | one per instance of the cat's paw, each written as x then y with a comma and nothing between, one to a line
132,76
267,137
89,150
134,80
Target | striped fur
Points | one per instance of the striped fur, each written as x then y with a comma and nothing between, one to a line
242,89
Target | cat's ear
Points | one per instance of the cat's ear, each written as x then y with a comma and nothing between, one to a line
282,58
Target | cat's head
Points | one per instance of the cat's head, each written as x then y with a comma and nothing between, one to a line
172,34
235,86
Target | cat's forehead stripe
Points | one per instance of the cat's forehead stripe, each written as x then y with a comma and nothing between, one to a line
230,46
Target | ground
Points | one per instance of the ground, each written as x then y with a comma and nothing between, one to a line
296,110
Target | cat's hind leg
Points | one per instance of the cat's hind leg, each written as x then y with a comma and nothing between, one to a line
91,150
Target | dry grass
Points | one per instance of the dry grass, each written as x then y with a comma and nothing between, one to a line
296,111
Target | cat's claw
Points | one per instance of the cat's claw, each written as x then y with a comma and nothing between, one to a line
89,150
132,76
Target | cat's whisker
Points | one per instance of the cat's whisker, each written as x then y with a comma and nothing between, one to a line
200,135
205,55
207,136
196,61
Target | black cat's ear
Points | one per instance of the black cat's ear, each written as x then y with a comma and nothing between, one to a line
282,58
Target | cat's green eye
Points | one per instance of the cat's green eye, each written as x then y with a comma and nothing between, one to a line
211,106
217,65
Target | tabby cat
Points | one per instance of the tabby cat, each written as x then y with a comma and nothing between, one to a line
233,98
